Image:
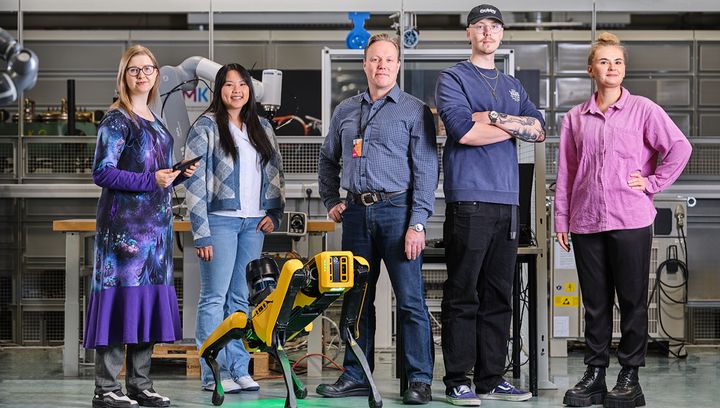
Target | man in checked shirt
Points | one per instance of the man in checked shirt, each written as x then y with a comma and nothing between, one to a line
386,141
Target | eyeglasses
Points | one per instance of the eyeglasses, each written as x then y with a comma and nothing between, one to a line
493,28
147,70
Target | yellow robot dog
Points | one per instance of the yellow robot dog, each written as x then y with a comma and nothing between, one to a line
285,306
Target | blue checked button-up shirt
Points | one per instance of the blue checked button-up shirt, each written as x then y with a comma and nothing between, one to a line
399,151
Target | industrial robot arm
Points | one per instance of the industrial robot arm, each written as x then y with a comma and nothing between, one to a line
285,304
21,68
184,77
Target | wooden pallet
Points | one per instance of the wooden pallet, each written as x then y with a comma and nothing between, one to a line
259,364
187,352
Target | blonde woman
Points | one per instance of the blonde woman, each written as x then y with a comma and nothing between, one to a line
608,172
133,302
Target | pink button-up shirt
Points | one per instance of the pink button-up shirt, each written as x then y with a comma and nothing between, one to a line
598,151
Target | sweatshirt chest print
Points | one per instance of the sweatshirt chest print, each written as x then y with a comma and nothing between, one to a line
515,95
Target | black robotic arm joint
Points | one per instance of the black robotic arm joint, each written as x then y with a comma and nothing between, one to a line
20,68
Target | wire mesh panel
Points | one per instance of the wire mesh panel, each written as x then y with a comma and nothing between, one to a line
50,157
178,283
7,158
705,160
54,327
5,313
43,327
43,284
552,151
434,275
704,324
31,324
300,158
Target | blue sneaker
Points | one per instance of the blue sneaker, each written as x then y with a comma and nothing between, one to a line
506,392
462,395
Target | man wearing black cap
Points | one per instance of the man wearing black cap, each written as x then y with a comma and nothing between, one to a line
485,112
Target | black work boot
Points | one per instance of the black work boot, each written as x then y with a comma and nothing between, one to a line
627,392
590,390
417,394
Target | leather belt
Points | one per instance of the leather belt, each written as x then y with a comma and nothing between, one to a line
368,199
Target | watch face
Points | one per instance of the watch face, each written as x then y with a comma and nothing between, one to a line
419,227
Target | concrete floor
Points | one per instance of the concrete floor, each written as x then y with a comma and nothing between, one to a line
32,377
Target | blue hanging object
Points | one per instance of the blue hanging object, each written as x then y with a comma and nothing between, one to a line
358,37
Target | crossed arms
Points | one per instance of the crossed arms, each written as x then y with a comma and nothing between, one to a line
483,132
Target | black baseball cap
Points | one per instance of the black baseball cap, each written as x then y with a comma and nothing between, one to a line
484,11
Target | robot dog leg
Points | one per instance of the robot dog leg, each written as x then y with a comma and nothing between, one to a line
232,328
349,332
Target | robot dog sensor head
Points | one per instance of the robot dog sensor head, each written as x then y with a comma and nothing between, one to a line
262,275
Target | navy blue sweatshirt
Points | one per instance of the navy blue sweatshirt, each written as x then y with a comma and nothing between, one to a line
479,173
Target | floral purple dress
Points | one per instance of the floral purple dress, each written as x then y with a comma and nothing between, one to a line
133,299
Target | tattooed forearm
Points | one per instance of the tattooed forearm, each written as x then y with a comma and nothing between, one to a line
525,128
528,135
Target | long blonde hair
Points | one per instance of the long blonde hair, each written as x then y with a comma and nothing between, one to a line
123,102
605,39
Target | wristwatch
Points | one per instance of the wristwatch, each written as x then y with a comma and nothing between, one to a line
418,227
493,116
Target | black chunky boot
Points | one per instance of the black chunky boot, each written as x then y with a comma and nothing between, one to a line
590,390
627,392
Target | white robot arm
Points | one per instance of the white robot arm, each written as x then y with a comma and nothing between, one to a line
185,77
21,69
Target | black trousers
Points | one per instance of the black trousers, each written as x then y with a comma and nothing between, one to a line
476,305
608,263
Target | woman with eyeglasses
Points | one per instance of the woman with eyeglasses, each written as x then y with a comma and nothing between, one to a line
236,197
133,303
616,151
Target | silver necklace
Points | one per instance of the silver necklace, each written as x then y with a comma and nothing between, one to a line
487,79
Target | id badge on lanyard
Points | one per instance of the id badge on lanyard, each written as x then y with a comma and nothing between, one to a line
357,150
357,147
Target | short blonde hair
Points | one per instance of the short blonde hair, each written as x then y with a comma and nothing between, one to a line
605,39
382,37
123,102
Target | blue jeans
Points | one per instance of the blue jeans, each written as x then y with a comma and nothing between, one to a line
378,232
223,289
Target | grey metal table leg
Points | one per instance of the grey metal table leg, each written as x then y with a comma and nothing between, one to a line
72,304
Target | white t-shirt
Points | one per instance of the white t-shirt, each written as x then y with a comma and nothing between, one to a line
250,166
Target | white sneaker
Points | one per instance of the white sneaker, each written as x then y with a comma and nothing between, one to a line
246,383
229,386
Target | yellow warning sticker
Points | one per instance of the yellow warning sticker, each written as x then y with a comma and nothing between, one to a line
569,301
570,287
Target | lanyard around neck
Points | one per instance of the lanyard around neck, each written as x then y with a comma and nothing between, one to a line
361,128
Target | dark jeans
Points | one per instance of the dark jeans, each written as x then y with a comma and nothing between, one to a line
610,262
476,305
109,362
378,233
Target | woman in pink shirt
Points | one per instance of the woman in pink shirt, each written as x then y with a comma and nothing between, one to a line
608,172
